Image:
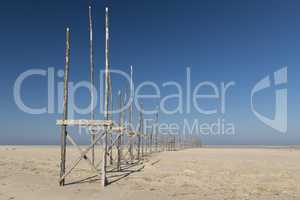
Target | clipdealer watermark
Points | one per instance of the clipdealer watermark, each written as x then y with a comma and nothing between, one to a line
187,99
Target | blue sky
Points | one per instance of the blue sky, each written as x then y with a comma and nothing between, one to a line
221,41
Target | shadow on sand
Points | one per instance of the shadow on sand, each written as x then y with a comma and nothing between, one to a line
113,175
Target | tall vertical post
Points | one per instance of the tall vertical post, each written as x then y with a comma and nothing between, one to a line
92,81
124,113
104,160
146,138
142,129
174,142
119,143
150,138
156,131
65,114
110,117
130,115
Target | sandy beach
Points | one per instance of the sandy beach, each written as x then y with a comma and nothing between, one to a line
32,172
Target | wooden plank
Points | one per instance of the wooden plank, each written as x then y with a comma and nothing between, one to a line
118,129
84,122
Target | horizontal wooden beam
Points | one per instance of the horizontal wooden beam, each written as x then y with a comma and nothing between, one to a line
132,133
118,129
84,122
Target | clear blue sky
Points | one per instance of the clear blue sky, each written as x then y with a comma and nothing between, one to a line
232,40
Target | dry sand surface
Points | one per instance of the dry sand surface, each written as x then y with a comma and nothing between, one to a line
208,173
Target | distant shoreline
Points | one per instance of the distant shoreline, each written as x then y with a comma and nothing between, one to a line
203,146
253,146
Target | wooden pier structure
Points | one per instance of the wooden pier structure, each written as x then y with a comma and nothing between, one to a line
120,144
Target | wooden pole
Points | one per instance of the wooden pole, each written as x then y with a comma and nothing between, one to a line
110,117
120,137
124,98
146,138
151,137
65,114
156,131
92,80
142,129
104,160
